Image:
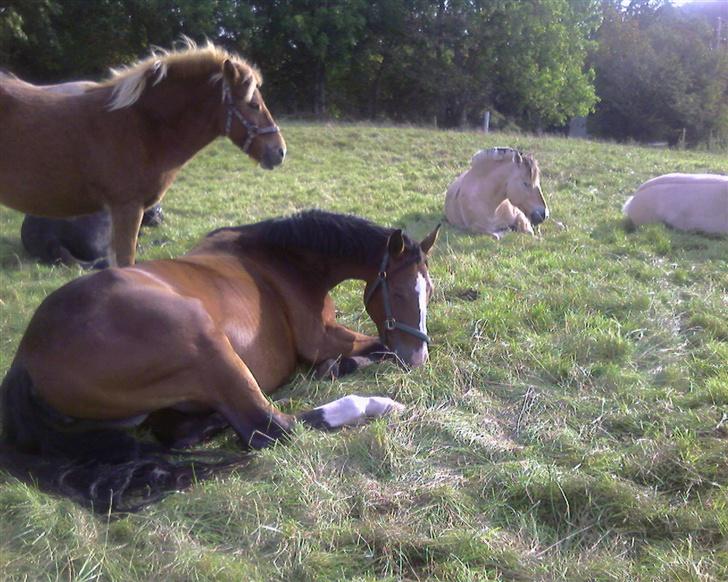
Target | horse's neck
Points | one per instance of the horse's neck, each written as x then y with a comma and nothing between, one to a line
495,174
328,272
181,126
317,270
344,270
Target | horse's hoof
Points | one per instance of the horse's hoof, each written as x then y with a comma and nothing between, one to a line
327,369
337,367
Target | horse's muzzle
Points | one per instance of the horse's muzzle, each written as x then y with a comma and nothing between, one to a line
413,358
538,216
273,156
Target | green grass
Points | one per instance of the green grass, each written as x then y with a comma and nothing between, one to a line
572,422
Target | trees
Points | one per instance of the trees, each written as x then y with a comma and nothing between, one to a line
659,71
406,59
308,43
652,68
455,58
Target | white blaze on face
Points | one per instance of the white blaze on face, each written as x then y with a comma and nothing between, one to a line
420,356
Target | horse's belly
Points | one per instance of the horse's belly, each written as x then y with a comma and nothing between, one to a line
44,194
686,202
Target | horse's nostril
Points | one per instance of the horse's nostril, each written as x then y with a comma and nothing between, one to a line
538,216
281,153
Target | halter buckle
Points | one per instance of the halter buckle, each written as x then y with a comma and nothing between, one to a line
390,324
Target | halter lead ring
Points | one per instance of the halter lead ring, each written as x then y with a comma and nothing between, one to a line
390,323
252,130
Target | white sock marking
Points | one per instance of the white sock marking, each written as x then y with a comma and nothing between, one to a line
352,410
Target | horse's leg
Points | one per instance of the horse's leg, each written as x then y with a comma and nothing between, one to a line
513,217
233,391
349,411
340,351
239,401
179,430
125,222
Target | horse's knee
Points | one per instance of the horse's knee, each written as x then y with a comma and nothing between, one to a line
258,428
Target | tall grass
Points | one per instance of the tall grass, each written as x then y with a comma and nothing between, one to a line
572,422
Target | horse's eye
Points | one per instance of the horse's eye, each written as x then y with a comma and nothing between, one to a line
527,185
254,106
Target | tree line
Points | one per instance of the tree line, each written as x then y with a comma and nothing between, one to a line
646,70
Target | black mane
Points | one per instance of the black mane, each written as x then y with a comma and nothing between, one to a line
327,233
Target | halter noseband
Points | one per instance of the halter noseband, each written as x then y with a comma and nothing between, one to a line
252,130
390,323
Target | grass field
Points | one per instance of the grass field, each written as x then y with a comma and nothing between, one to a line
572,422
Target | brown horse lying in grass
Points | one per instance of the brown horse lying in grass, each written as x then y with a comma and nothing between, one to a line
500,192
191,345
81,240
78,148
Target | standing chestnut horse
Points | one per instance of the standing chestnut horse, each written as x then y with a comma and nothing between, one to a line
188,346
500,192
77,148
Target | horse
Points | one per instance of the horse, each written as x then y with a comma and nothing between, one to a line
78,148
691,202
188,346
81,240
500,192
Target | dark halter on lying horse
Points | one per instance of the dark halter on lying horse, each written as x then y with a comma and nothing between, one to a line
390,323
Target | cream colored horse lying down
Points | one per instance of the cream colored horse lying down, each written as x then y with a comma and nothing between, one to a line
696,202
500,192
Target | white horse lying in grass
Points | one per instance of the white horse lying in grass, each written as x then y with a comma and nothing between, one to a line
693,202
500,192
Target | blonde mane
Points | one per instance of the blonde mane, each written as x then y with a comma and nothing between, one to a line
188,60
510,155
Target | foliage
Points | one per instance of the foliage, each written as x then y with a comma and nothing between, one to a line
570,425
660,70
408,59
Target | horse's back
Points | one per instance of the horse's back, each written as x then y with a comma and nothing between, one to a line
103,336
692,202
50,139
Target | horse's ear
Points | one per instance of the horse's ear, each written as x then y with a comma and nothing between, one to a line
428,242
395,244
230,72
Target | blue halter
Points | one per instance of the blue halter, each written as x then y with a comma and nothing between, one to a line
252,130
390,323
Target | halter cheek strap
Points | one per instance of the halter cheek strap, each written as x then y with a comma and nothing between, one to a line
252,130
390,323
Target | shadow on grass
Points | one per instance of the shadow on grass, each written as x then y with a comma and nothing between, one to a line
662,240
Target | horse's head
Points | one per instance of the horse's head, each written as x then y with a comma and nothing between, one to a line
246,120
523,188
397,298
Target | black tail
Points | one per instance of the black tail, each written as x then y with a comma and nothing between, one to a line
105,469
